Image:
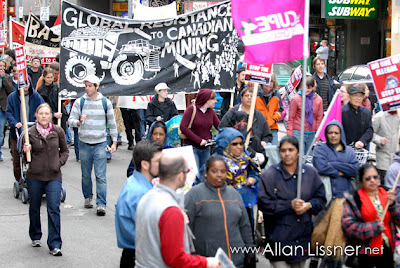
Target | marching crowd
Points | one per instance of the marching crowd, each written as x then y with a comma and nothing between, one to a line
246,178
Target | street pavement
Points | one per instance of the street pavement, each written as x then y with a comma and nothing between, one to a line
88,240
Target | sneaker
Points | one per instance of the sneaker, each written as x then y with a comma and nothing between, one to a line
36,243
101,211
88,203
130,147
56,252
1,159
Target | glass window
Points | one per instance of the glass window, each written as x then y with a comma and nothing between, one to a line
282,69
346,75
362,73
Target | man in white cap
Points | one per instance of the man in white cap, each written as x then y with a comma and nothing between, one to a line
160,108
92,114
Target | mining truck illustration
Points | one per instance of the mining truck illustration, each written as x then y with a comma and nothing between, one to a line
128,66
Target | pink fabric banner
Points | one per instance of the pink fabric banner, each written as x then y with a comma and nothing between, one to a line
272,31
334,113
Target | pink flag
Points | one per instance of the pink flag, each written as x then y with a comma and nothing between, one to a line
334,112
272,31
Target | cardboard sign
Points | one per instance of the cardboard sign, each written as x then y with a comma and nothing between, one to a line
294,80
386,75
259,73
21,67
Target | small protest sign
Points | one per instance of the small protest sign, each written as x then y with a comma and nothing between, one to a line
386,75
259,73
21,67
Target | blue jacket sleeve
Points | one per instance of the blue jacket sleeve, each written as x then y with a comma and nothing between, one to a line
348,167
321,163
267,200
10,112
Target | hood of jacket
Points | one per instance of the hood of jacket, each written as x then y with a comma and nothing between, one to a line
396,157
225,137
203,96
99,96
150,134
342,135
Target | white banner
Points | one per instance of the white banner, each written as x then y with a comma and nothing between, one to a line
140,102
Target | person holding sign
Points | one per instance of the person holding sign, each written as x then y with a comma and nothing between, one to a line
362,220
287,219
14,117
356,120
49,150
160,108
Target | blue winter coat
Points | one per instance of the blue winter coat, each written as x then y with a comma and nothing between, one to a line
330,162
283,227
391,174
13,111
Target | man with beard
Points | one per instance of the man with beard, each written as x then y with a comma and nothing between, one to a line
146,156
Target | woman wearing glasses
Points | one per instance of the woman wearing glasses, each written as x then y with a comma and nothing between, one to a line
362,220
260,125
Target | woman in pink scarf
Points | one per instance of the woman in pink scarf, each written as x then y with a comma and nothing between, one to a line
49,151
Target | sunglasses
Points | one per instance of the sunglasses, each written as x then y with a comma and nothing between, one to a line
375,177
237,143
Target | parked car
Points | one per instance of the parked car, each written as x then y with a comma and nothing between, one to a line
357,74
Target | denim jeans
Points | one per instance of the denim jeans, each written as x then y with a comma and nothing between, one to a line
274,136
76,142
3,120
201,156
52,189
109,141
94,155
308,139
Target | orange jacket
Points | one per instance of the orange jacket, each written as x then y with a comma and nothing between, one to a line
272,110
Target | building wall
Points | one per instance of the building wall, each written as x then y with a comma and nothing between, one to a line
363,41
395,46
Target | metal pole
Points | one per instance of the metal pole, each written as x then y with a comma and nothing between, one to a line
17,9
303,96
130,9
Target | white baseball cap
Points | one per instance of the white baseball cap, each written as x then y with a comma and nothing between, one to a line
161,86
92,79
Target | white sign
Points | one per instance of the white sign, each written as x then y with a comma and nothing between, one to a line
140,102
21,12
44,13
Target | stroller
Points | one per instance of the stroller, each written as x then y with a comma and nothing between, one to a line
23,187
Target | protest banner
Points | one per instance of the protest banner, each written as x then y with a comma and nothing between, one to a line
41,41
3,37
17,34
386,75
258,73
267,29
193,51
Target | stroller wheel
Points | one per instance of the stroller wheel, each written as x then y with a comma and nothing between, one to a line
16,189
63,194
25,195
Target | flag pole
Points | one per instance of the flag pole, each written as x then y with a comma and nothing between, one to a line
303,96
323,121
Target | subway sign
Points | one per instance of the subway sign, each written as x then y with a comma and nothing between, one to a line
349,9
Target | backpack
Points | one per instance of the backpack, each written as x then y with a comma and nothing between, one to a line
104,102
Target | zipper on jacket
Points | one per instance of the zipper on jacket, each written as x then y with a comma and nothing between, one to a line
226,227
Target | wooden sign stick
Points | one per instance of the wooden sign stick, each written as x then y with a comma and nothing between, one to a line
393,189
25,122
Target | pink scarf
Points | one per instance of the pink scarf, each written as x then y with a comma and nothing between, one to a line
44,131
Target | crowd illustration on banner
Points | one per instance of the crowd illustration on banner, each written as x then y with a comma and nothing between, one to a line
243,148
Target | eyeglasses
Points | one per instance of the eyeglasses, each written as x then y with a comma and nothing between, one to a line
375,177
237,143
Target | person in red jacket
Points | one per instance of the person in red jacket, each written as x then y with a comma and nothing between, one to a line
199,131
269,104
313,117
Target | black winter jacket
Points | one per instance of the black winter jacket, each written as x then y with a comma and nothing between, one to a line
166,110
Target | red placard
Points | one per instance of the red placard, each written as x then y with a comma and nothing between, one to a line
21,67
386,76
259,73
294,80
